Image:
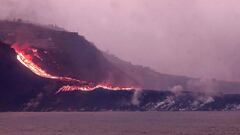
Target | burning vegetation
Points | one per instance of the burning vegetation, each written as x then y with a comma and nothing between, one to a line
25,56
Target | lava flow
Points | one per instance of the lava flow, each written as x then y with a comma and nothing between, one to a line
27,61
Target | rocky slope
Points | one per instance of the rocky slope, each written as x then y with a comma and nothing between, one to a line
150,79
65,53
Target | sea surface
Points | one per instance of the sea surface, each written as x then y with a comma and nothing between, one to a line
120,123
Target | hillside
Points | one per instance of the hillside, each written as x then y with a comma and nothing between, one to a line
68,54
150,79
50,69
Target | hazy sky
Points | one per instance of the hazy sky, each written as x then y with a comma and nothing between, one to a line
188,37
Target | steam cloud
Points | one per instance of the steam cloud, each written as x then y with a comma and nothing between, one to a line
207,86
136,97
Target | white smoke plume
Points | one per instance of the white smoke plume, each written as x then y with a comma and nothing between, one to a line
207,86
136,97
177,89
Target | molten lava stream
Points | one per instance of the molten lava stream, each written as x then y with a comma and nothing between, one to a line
91,88
27,61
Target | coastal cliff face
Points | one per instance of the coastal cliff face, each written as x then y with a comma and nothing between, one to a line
45,68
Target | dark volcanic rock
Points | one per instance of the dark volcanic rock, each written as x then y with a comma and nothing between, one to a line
106,100
68,54
17,83
150,79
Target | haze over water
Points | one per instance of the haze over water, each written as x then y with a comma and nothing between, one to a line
119,123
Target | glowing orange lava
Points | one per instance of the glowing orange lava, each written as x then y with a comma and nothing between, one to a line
90,88
34,68
27,61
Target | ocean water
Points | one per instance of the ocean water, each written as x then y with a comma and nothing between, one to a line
120,123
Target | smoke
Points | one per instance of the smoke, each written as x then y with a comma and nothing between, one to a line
177,90
27,9
207,86
197,38
136,97
33,103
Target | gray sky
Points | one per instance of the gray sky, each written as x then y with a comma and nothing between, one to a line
198,38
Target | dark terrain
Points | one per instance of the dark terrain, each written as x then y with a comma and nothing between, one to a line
72,55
